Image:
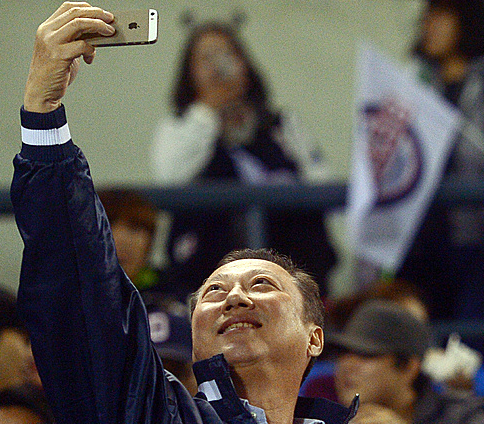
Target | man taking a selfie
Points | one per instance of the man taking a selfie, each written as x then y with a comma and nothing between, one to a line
256,321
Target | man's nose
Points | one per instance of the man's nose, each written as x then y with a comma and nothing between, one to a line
237,298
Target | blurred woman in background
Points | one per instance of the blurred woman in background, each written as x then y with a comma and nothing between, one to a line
224,129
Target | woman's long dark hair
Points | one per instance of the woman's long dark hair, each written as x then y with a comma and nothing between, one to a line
184,93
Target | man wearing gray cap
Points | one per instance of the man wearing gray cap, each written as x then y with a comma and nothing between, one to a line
380,353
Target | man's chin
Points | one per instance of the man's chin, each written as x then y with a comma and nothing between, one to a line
237,356
234,353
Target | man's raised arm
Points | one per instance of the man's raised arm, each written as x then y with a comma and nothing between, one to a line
87,323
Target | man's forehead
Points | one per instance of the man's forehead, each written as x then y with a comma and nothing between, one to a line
248,268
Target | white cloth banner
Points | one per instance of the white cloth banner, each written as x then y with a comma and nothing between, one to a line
403,136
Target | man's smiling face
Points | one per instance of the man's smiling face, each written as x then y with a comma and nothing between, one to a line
250,310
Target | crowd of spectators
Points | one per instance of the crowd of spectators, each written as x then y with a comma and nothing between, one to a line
224,127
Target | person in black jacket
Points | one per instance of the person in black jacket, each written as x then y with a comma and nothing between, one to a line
445,257
256,321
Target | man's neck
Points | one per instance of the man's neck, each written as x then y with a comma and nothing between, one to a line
404,405
275,394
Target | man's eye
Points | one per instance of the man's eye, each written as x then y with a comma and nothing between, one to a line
213,287
214,291
261,281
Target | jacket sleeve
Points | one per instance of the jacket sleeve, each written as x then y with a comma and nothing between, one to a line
183,145
88,326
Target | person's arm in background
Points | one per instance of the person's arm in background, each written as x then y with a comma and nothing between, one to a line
182,146
87,323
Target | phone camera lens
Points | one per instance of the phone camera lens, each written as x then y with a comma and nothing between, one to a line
152,13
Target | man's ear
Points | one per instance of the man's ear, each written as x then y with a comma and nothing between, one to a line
316,341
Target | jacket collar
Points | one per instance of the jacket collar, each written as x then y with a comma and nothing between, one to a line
216,386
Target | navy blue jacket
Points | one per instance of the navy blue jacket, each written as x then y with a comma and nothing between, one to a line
87,322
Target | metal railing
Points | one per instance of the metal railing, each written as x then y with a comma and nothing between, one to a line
254,201
237,196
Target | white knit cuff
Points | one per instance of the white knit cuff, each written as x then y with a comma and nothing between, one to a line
46,137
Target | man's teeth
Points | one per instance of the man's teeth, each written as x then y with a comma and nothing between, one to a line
239,325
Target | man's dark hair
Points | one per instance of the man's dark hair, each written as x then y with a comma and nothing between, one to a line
130,206
184,93
470,14
313,308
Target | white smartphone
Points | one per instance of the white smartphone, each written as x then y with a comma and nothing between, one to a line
133,27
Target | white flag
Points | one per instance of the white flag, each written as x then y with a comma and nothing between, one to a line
403,136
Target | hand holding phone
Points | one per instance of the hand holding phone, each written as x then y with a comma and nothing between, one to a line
56,55
133,27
